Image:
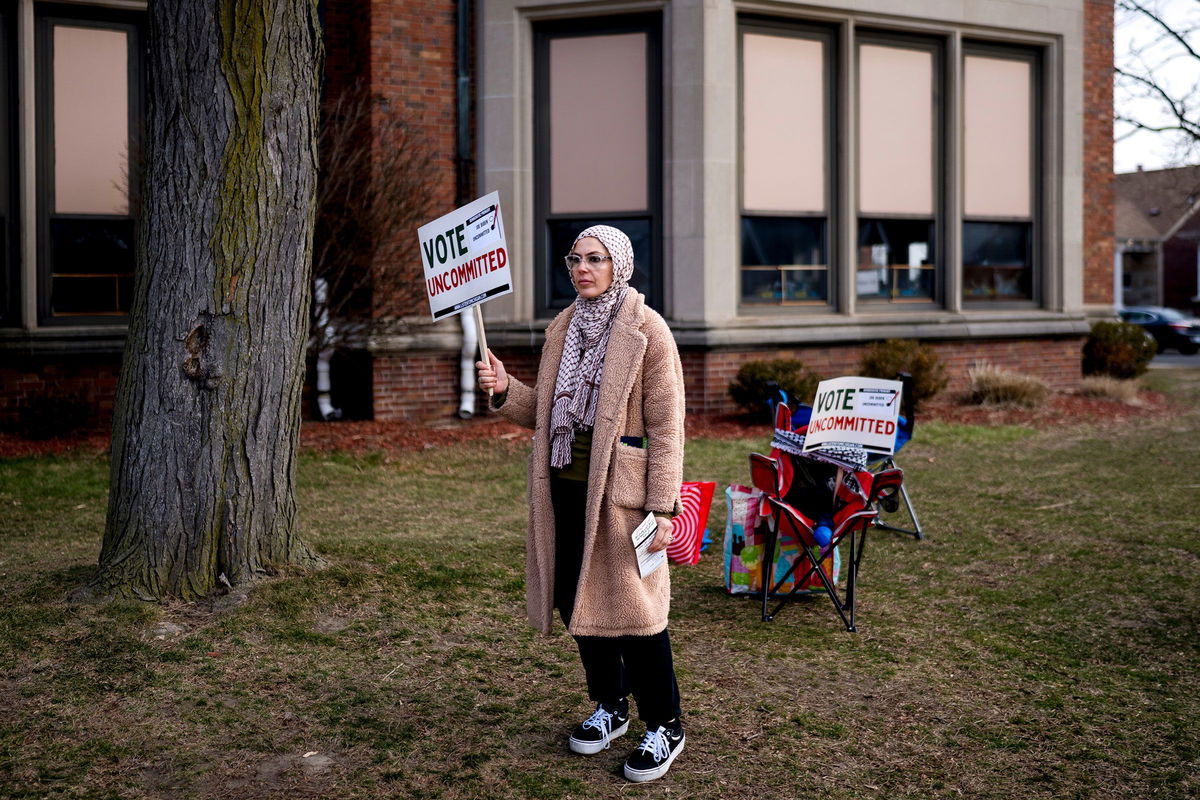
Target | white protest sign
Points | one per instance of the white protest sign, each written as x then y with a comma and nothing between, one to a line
862,411
465,257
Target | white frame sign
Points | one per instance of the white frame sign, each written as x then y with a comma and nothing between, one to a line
853,410
465,257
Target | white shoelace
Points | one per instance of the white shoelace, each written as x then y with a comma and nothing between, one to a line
655,744
601,720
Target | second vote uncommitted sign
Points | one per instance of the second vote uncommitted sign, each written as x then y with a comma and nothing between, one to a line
862,411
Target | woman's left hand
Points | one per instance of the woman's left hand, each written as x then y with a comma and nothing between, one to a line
664,536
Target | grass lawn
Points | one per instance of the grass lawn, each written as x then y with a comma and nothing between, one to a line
1041,642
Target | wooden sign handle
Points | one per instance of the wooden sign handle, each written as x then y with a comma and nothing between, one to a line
483,348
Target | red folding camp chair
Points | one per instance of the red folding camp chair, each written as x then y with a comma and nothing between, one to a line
798,490
855,511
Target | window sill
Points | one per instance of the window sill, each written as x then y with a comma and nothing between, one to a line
782,330
91,339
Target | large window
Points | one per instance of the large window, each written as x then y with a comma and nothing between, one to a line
797,244
89,110
898,150
598,145
786,166
999,205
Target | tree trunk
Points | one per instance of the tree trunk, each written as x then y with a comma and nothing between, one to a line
207,416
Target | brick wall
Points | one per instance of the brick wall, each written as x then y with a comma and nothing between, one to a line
415,386
92,379
421,387
404,51
424,386
1098,232
412,70
1056,361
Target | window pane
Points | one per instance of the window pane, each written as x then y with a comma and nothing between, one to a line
997,261
93,265
896,136
92,246
560,236
998,133
91,120
783,114
762,286
598,134
896,259
73,295
805,285
784,260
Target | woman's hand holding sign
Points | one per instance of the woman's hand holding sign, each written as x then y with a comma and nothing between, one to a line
492,376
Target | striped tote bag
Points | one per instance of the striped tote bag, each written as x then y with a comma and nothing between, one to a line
696,498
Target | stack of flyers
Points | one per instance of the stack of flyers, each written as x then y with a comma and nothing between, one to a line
643,537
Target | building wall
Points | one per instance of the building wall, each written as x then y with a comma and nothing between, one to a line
419,383
707,375
700,191
404,50
1181,267
41,383
413,70
701,234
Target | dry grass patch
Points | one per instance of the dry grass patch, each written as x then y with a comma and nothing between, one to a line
992,385
1109,388
1041,643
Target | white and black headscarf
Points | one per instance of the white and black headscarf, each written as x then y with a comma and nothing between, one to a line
578,386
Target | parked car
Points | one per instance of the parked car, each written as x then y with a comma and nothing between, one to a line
1171,329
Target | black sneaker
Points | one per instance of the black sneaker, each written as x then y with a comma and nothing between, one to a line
606,723
654,755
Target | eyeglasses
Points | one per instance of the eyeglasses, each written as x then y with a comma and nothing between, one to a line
573,261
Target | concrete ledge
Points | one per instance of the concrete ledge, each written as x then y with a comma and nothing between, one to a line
63,341
423,336
830,329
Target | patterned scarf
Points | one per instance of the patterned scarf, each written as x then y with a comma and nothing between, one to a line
577,388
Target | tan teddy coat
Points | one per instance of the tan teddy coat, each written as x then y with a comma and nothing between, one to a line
641,394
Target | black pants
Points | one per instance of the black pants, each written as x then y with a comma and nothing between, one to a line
615,665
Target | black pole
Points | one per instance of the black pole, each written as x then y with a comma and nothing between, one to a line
465,193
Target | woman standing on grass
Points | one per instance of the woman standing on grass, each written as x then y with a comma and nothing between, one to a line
608,414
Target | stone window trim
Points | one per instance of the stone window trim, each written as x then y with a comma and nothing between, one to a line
25,284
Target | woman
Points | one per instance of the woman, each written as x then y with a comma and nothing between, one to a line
607,410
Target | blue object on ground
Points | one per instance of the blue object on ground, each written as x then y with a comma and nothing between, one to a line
801,416
902,434
706,541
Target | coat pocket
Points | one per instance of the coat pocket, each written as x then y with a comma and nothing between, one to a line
627,478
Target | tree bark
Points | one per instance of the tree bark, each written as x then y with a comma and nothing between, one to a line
207,415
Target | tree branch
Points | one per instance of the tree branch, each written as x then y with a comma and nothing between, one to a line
1138,8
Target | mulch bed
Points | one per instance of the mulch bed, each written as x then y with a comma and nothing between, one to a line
366,437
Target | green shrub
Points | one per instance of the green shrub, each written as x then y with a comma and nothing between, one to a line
989,385
1120,349
757,381
885,359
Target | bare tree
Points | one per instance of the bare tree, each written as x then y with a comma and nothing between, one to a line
207,415
375,189
1157,87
